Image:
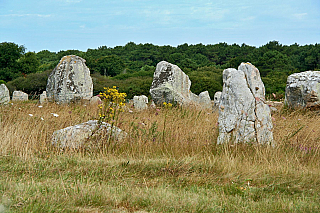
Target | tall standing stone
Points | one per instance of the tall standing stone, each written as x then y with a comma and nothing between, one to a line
4,94
303,90
70,81
243,114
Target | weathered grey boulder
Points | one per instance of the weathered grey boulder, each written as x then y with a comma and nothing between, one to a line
216,98
75,137
43,97
4,94
95,100
274,103
303,90
204,100
243,114
171,85
274,106
153,105
140,102
70,81
19,96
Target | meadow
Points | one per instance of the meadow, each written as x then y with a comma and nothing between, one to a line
169,162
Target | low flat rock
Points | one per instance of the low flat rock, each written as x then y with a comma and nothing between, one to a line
140,102
75,137
95,100
303,90
19,96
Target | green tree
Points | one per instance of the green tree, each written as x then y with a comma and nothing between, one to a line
29,63
109,65
63,53
206,79
275,82
273,60
9,55
48,60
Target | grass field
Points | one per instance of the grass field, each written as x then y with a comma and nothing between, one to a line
168,163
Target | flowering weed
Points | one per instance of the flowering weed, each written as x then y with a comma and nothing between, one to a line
167,105
112,104
110,108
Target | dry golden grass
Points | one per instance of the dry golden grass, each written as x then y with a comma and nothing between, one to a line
169,163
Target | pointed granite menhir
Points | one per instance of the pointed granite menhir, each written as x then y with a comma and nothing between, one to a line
243,114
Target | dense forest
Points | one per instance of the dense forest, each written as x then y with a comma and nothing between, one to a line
131,67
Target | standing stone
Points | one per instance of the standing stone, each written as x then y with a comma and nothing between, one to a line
303,90
243,114
216,98
43,97
171,85
19,96
70,81
204,100
4,94
140,102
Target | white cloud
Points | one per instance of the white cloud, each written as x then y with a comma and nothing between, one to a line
249,18
300,16
27,15
209,13
184,14
160,16
127,27
71,1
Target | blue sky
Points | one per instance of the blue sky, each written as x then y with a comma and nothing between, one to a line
81,24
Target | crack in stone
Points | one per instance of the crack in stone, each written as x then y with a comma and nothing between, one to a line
255,104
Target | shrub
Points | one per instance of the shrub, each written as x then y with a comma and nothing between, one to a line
33,83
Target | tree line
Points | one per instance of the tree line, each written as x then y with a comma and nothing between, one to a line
131,66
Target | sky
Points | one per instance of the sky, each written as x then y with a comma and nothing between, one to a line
56,25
